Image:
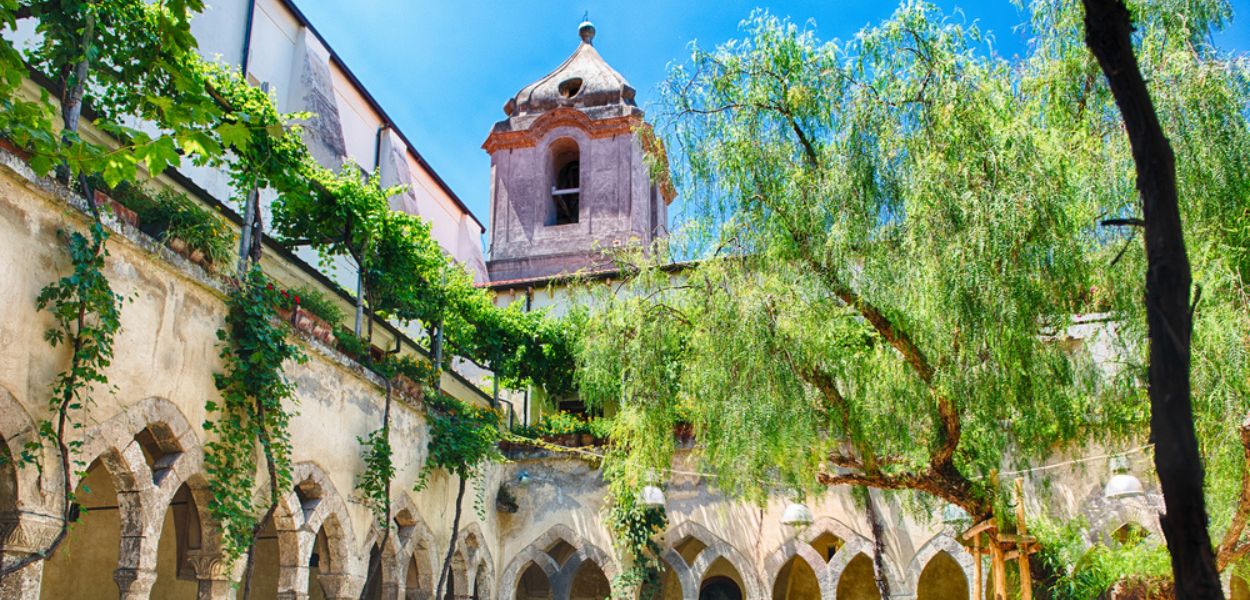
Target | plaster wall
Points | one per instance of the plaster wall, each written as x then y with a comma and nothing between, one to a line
162,375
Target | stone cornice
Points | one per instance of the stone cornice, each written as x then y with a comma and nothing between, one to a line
560,117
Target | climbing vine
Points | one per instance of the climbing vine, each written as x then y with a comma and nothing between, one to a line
463,438
253,411
634,527
374,482
87,316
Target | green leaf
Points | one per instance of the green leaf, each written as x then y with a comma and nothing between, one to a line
158,155
235,135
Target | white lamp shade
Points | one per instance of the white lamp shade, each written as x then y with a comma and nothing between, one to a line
652,496
797,515
1122,485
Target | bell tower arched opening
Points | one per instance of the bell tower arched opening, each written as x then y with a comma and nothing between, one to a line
566,182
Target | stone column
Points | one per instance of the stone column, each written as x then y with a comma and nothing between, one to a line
391,591
134,584
23,584
561,584
213,580
21,535
341,586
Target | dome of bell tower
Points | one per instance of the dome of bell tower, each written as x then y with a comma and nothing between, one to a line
584,80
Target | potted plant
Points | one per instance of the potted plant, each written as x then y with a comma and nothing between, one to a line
110,199
310,312
8,145
193,231
409,375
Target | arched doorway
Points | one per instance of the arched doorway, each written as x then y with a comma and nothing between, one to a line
319,562
589,583
83,566
412,580
720,588
796,581
534,584
942,579
859,580
265,564
180,536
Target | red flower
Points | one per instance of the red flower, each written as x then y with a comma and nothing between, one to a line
297,299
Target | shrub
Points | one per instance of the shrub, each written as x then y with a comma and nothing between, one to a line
314,302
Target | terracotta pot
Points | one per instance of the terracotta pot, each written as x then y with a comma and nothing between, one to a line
178,245
197,257
408,387
122,213
284,314
568,440
12,148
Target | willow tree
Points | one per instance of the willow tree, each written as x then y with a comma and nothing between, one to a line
897,233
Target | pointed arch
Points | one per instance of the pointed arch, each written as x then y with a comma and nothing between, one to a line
942,542
313,504
413,543
691,574
560,574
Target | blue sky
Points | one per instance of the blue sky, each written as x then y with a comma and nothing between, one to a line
443,70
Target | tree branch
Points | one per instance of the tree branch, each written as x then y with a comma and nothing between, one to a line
1230,548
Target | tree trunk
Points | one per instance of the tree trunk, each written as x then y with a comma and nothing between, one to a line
878,544
271,468
445,573
375,566
245,233
1108,30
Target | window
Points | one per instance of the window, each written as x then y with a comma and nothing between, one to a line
566,187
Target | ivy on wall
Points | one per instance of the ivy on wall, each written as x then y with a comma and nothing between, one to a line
254,409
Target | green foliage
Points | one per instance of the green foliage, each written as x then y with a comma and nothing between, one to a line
252,411
634,528
313,301
562,423
87,316
904,227
374,482
265,150
462,437
1073,569
419,371
131,58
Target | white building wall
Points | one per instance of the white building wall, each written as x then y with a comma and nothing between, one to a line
278,42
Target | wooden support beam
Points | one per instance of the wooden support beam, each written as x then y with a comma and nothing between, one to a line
1022,529
976,575
977,529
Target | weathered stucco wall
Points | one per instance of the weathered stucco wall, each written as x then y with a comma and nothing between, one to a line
160,380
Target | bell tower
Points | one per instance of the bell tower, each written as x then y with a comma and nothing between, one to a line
568,176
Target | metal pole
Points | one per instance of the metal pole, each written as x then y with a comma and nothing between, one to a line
245,236
360,306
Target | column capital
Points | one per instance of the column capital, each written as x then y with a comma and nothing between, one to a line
25,532
134,584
